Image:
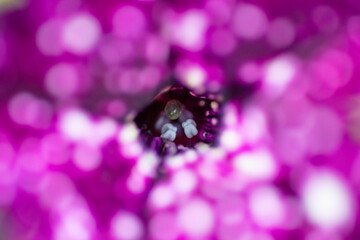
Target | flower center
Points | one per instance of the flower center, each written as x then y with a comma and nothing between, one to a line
174,109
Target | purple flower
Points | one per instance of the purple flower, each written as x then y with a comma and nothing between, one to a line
258,137
179,118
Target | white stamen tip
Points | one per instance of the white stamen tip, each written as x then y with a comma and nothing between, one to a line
190,128
168,131
189,121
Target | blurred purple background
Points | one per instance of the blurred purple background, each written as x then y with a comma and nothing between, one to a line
75,73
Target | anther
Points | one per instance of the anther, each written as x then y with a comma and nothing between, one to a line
190,128
168,131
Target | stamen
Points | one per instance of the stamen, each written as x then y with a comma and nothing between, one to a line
168,131
190,128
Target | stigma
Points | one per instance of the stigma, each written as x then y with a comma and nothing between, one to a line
174,109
